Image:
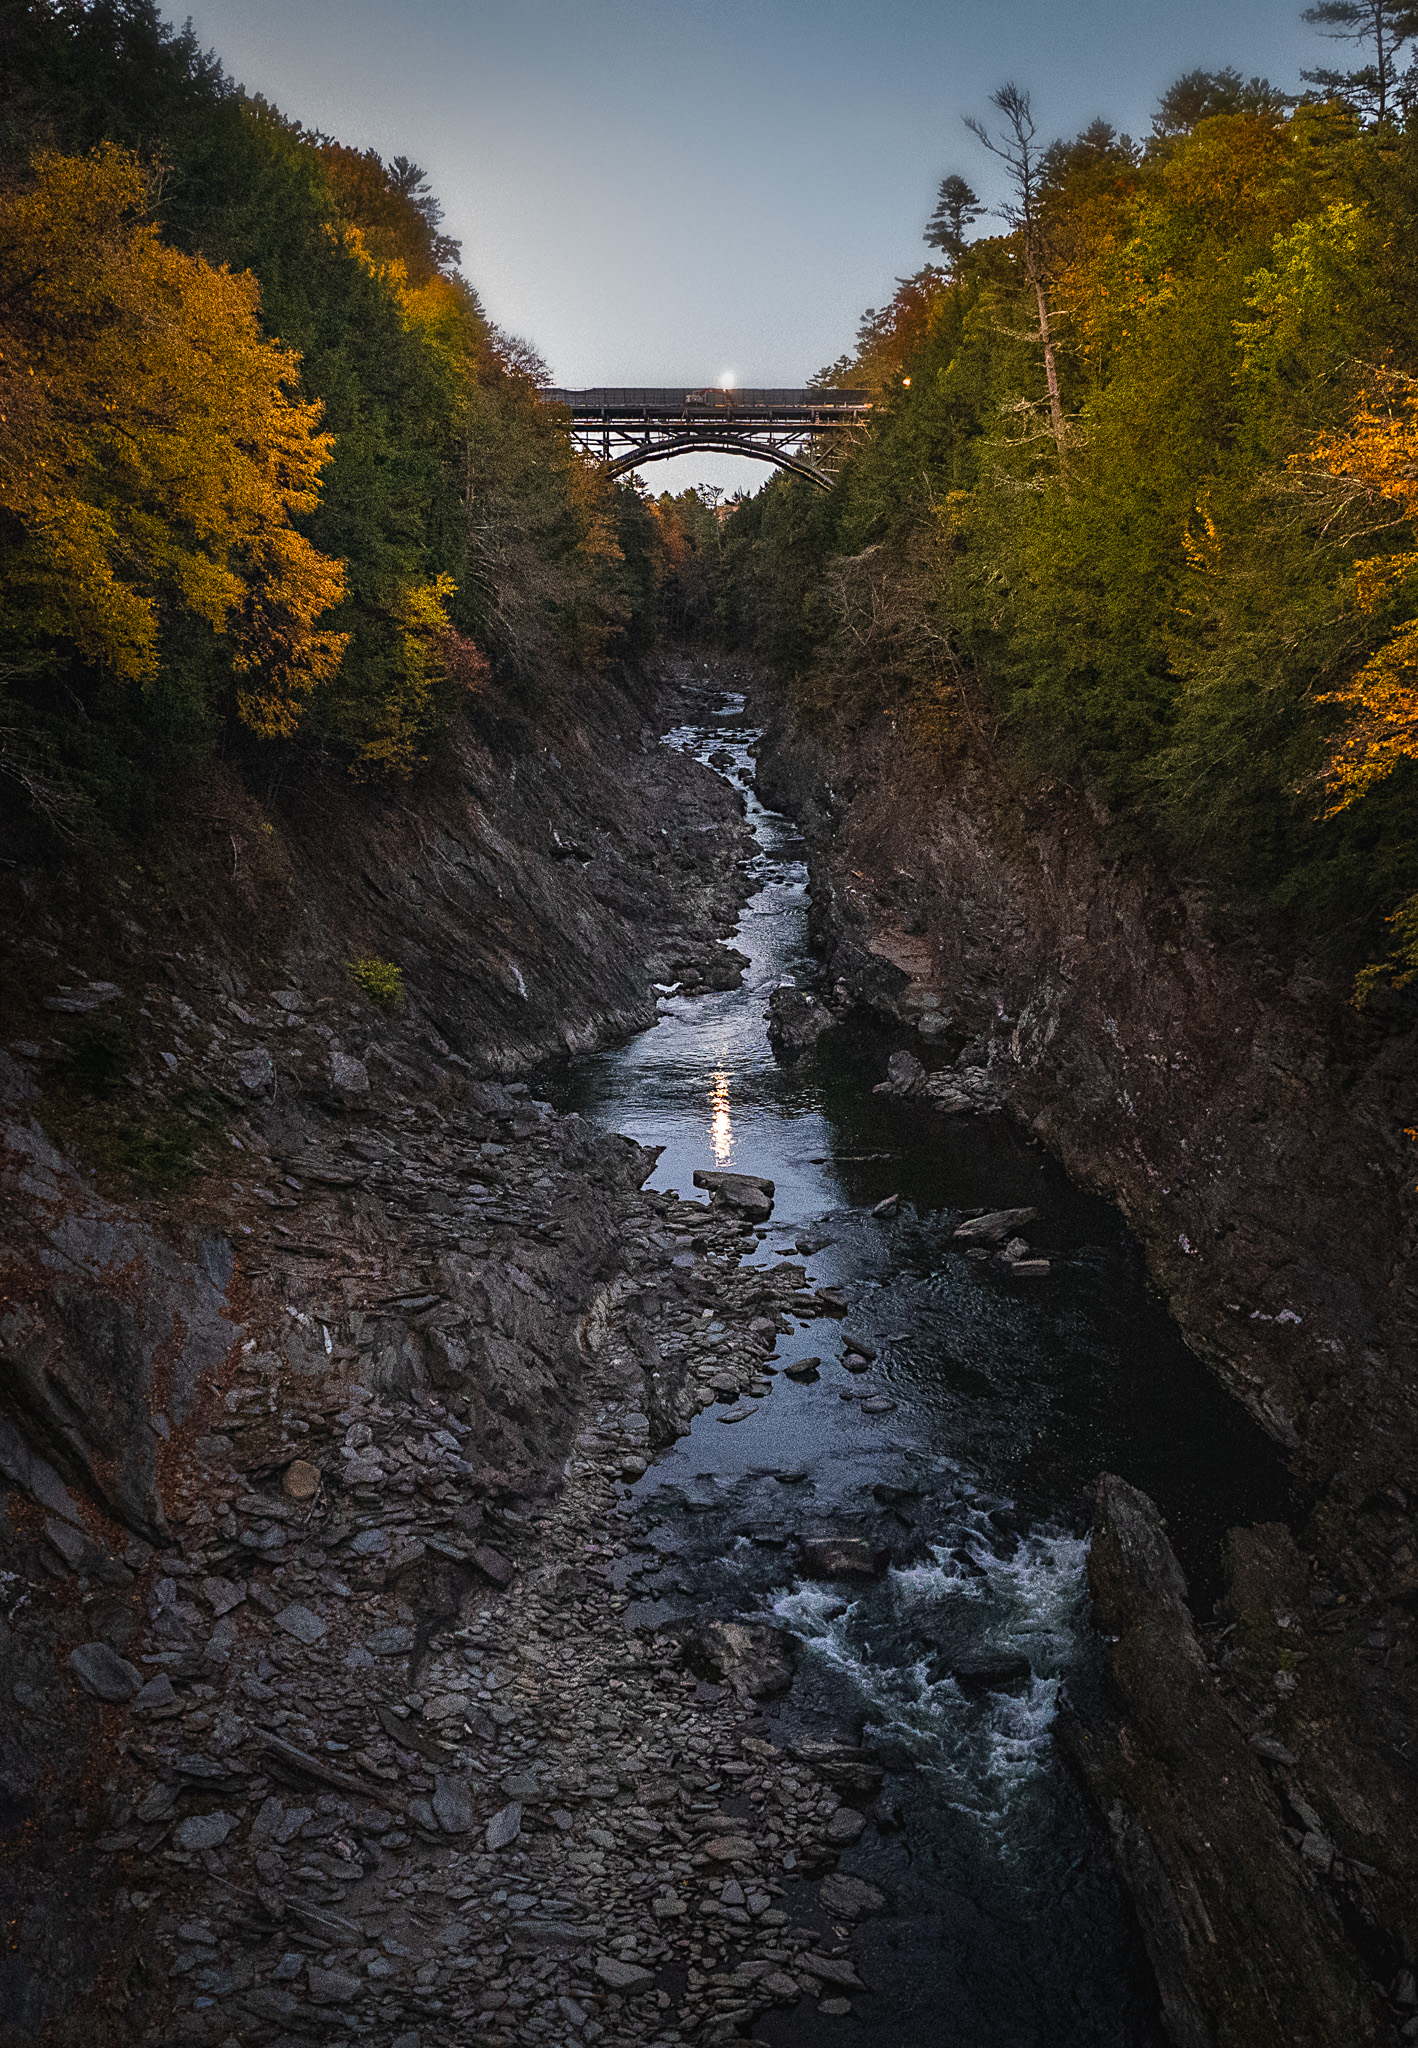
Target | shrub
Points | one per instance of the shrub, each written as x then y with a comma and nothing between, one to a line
380,980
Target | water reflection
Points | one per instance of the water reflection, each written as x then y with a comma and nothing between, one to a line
721,1129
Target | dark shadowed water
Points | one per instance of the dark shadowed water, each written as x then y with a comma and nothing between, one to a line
1010,1397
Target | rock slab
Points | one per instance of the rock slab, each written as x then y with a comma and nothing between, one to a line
102,1672
1247,1949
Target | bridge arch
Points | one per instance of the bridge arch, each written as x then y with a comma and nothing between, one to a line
696,444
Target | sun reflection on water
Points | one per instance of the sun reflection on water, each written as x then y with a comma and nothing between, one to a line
721,1128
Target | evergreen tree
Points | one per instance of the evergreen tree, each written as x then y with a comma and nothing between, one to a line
957,208
1383,26
1199,95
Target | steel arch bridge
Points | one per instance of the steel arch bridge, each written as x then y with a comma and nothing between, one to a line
624,428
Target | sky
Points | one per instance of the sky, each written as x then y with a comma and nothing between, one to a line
705,191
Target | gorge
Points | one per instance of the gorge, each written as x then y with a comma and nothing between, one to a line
804,1724
707,1209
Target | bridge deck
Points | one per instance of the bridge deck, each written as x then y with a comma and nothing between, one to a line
606,404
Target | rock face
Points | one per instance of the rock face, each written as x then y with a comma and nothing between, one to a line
113,1326
344,1335
1248,1121
796,1020
1251,1126
1248,1945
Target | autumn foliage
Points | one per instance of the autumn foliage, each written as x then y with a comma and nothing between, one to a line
269,477
1199,601
152,446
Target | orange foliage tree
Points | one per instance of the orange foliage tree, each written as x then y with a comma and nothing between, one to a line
1375,464
151,451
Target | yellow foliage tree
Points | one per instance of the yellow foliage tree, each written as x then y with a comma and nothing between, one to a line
432,653
151,450
1375,465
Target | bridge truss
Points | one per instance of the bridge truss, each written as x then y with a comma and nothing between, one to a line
794,430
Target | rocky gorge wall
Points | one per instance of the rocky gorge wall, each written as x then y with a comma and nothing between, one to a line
1252,1128
298,1308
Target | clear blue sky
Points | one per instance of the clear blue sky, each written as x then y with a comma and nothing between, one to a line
657,191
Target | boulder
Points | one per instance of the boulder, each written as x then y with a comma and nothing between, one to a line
844,1557
298,1621
796,1020
493,1565
753,1657
102,1672
848,1898
78,1551
331,1987
747,1193
894,1494
627,1978
505,1826
991,1671
905,1077
965,1086
349,1077
961,1088
452,1805
302,1480
993,1228
256,1070
840,1765
203,1830
845,1826
832,1970
729,1849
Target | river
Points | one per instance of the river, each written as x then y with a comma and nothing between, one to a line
969,1446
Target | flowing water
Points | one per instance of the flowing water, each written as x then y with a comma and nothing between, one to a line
997,1402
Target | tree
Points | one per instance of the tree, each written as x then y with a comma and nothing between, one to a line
1199,95
1384,26
1374,463
152,455
957,208
1023,160
411,183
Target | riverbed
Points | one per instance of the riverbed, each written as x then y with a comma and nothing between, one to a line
962,1439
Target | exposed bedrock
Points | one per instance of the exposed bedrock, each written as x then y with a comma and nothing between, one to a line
300,1315
1241,1911
1248,1121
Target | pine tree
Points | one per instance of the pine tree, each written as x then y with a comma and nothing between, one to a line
957,209
1385,27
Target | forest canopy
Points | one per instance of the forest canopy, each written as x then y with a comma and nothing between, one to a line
269,477
1188,587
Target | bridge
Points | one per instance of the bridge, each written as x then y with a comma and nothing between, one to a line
626,428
